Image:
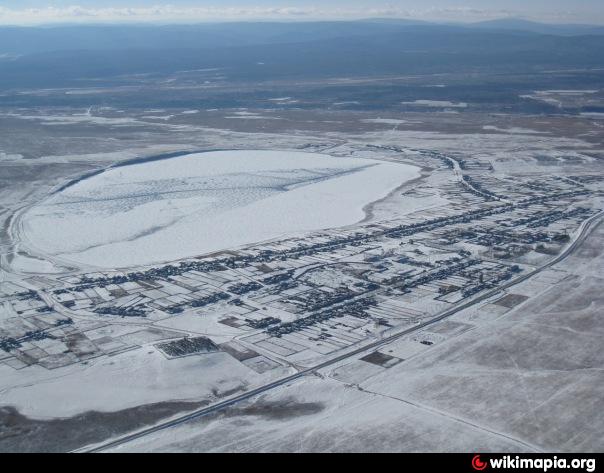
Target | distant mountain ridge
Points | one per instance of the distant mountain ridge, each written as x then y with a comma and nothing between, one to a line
520,24
67,55
31,40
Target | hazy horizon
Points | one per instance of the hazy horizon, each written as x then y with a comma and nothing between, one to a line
44,12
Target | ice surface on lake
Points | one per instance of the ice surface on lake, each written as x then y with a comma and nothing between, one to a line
195,204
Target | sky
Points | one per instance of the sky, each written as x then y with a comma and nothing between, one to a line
166,11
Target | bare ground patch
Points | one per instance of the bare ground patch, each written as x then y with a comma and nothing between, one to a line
19,433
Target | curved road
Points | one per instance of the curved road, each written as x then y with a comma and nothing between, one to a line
583,232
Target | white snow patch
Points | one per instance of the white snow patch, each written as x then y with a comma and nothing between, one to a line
159,117
436,103
80,118
253,117
112,383
10,156
593,115
514,130
27,264
386,121
567,92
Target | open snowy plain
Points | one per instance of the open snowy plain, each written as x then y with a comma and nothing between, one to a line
347,234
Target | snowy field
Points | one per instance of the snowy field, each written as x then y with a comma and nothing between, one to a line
174,208
436,103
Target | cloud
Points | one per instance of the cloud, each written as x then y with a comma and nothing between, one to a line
153,13
467,13
171,13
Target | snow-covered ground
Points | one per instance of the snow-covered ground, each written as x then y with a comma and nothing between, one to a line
9,156
436,103
27,264
200,203
136,377
513,130
386,121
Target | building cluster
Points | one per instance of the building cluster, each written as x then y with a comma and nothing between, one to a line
187,346
315,294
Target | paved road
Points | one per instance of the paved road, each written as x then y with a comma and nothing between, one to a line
583,232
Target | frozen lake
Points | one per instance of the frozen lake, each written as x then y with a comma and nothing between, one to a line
174,208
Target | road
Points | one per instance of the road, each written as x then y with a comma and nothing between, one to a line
460,178
581,235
